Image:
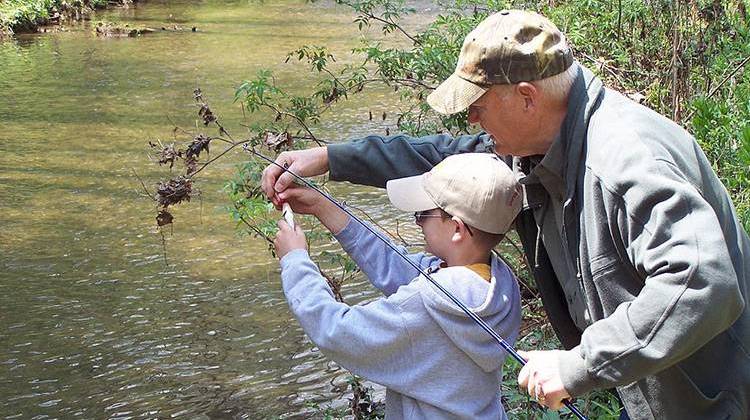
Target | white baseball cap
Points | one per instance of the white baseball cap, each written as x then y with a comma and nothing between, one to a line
478,188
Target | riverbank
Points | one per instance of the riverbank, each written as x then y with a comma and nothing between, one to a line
18,16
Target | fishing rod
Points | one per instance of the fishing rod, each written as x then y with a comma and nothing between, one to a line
500,340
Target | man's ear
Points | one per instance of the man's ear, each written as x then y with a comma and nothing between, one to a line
529,93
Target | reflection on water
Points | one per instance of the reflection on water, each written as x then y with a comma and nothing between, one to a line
92,321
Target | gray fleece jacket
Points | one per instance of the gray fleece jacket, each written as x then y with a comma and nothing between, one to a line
435,362
653,241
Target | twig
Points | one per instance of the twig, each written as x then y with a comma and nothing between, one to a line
611,69
232,146
153,197
717,87
526,286
364,213
254,228
675,64
395,25
222,139
164,246
530,326
398,234
403,82
176,128
335,287
299,121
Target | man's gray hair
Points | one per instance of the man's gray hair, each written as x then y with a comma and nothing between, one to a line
556,87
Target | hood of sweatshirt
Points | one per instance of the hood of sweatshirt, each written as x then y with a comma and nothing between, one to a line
497,302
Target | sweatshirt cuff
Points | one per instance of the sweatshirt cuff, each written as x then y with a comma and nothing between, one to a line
292,258
573,372
349,234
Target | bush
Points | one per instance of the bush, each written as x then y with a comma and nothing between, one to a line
16,15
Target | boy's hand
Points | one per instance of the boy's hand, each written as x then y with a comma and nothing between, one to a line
305,200
288,240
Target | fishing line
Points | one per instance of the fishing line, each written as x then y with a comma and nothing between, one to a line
504,344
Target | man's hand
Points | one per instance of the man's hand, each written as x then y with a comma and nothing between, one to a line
288,240
309,162
541,378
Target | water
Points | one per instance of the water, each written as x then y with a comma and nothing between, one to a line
93,323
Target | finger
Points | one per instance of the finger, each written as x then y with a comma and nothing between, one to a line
283,225
554,404
531,386
286,195
555,400
293,193
268,179
298,230
523,377
283,182
539,395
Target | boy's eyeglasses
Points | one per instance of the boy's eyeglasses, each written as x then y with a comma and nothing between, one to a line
420,216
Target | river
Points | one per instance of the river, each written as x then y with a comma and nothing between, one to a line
94,323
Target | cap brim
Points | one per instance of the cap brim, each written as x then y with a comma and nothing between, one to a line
454,95
407,194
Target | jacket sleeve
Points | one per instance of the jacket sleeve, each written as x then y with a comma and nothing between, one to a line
369,340
385,267
374,160
672,236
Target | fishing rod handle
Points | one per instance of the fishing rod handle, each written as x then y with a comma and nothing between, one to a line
286,211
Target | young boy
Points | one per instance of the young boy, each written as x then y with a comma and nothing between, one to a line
435,362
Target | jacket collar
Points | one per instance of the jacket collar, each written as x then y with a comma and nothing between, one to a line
584,99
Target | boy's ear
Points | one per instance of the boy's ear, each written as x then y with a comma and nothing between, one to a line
459,230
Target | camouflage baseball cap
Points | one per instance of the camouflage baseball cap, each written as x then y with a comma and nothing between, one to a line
508,47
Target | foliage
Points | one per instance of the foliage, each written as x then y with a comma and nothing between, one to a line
723,130
361,404
536,333
26,14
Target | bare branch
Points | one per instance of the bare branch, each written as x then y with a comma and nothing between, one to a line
232,146
717,87
153,197
395,25
299,121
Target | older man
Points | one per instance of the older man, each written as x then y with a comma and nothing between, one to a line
635,246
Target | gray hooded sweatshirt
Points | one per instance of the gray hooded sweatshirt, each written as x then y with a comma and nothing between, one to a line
435,362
